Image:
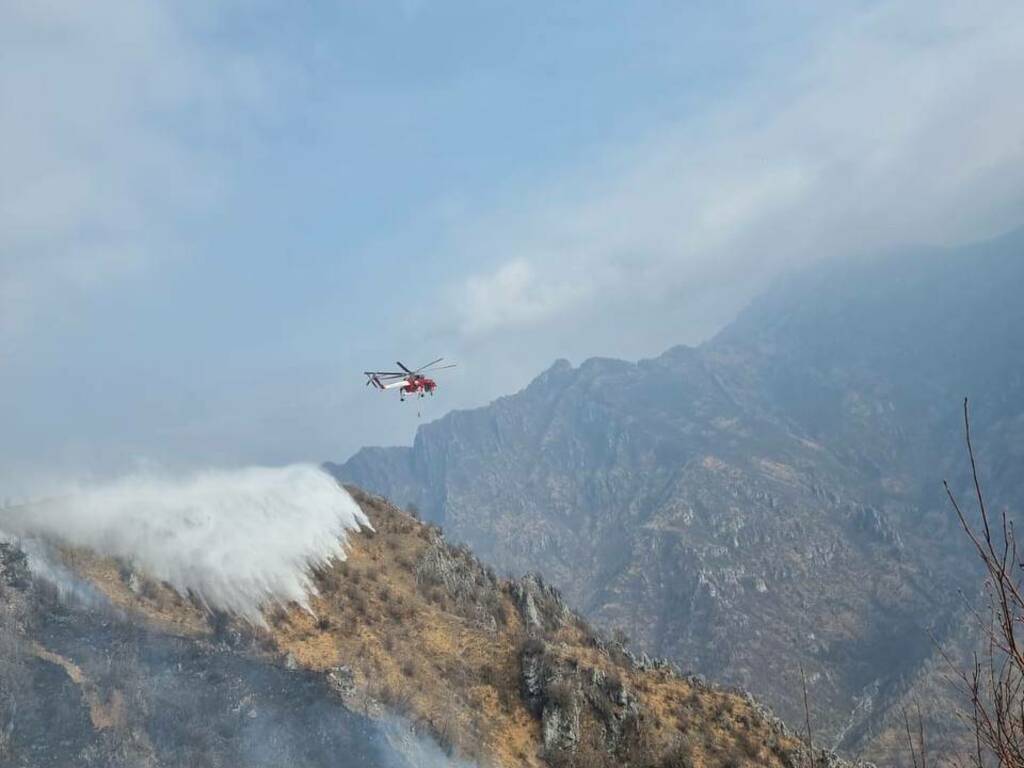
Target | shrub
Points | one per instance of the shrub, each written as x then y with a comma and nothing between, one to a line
561,693
531,646
396,611
679,755
358,603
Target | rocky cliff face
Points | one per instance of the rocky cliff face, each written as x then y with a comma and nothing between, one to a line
414,653
769,500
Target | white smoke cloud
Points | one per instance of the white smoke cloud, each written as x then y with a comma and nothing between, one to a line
404,744
235,539
45,565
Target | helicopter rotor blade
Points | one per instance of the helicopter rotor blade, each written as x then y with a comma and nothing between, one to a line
432,362
400,365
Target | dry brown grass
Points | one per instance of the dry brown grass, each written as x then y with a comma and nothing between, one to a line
164,608
405,649
410,649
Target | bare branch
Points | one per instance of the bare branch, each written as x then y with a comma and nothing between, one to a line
807,714
995,683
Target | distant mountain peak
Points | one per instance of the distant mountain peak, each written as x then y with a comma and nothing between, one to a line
831,407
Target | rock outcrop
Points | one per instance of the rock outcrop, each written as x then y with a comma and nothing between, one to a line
414,652
769,500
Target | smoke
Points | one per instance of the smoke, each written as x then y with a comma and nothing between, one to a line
237,540
45,565
403,744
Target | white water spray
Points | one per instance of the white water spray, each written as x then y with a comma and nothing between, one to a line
236,539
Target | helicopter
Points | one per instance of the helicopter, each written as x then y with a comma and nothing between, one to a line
407,381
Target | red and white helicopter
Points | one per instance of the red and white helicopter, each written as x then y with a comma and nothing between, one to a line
407,382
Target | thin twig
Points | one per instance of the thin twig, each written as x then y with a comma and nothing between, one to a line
996,686
910,738
807,716
920,735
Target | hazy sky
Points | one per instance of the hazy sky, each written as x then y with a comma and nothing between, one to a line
212,221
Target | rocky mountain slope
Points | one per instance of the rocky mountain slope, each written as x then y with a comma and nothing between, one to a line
414,653
769,500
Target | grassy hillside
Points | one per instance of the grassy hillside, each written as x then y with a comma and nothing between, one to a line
498,672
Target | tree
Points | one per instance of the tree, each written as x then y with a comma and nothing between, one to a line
994,684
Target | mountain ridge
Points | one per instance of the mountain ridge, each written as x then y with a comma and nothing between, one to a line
476,670
785,473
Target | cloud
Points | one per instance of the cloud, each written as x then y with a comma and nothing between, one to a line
902,125
109,120
514,294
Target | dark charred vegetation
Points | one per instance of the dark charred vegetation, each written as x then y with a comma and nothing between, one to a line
82,685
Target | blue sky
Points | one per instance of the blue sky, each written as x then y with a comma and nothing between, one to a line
212,221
